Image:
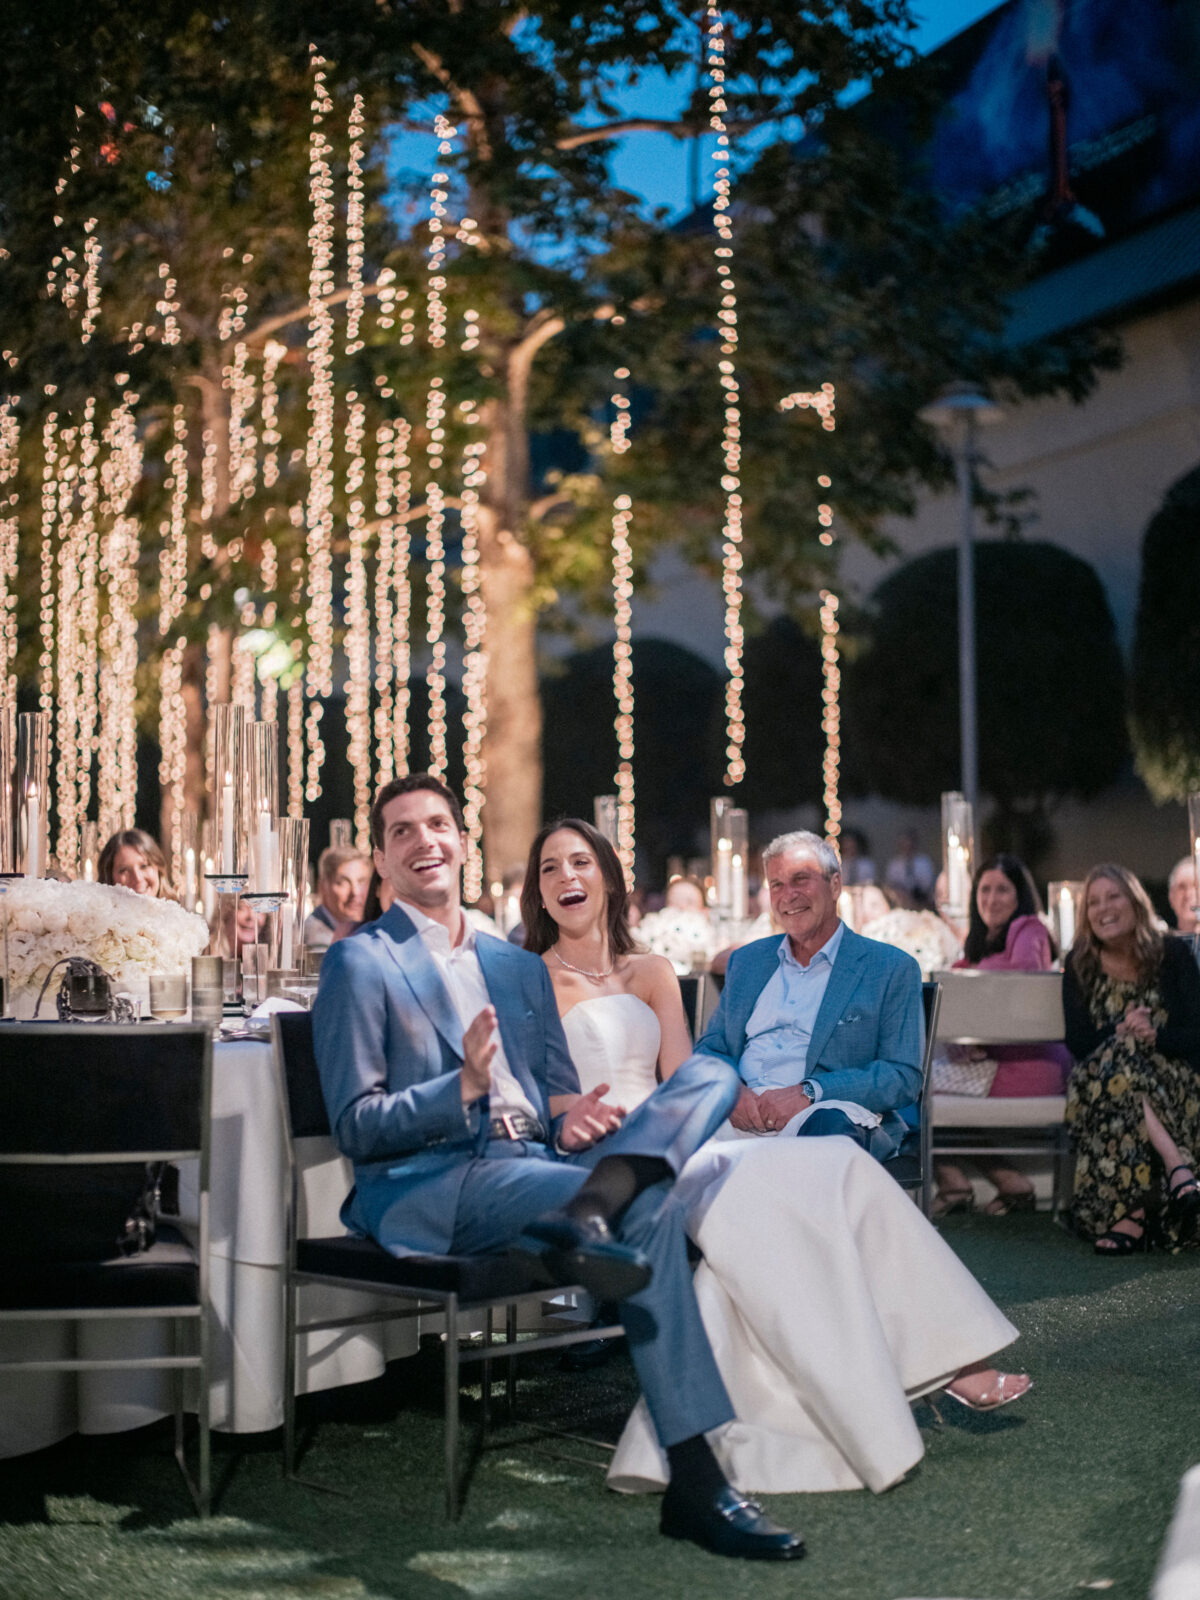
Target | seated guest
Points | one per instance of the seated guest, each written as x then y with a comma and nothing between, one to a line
910,873
1181,892
1005,934
132,859
343,877
379,897
820,1014
1131,1002
685,894
857,866
443,1060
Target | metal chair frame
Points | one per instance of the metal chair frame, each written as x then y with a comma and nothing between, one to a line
200,1485
414,1302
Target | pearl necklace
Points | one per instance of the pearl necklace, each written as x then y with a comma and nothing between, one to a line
582,971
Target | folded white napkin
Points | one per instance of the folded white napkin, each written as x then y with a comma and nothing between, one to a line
275,1003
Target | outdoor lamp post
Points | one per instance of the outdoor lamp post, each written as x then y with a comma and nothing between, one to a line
958,413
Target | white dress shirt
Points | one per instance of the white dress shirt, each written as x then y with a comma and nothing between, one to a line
459,969
780,1028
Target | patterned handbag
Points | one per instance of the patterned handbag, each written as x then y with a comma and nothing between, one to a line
962,1073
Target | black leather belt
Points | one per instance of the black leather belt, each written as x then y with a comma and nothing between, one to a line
516,1125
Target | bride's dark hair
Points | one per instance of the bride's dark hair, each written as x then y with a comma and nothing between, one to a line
541,930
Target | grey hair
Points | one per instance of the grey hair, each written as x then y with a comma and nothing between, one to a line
811,843
1184,864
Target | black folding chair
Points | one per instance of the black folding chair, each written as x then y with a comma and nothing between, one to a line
83,1109
457,1286
912,1166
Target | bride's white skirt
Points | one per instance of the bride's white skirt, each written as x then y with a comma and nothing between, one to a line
830,1303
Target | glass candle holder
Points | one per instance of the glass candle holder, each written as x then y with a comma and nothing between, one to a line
293,863
341,834
958,853
604,810
32,791
89,852
739,847
262,807
1064,903
226,791
720,812
1194,830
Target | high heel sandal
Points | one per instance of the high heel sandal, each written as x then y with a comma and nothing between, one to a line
950,1202
1113,1243
1006,1201
1183,1203
993,1397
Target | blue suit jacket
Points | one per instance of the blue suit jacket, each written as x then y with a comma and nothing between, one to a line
389,1049
868,1036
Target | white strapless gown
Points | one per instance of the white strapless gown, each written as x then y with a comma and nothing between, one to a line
829,1301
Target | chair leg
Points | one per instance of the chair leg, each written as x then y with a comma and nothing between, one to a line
450,1424
510,1338
203,1412
289,1378
486,1368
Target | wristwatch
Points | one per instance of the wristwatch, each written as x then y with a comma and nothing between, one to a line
810,1089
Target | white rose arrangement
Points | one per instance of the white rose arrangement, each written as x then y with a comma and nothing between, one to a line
687,938
130,935
922,934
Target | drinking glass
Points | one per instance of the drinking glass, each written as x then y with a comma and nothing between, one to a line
168,996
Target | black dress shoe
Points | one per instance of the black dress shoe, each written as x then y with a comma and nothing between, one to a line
582,1250
729,1525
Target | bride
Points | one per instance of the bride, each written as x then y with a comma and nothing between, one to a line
830,1302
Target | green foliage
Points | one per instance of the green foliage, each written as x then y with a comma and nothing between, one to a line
1165,672
1050,679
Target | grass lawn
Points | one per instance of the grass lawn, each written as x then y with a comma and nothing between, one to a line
1066,1493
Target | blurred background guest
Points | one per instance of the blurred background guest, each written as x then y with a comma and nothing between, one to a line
857,866
1181,892
343,877
380,895
1005,934
1131,1002
910,873
132,859
685,894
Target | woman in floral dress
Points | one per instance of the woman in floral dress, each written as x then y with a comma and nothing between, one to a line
1131,1000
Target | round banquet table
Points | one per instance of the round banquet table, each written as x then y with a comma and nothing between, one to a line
247,1251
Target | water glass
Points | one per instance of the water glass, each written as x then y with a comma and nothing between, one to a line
168,996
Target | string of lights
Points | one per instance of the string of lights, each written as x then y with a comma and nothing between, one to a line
295,735
475,659
120,550
70,657
273,354
50,453
622,586
172,595
435,440
731,432
358,622
167,306
91,281
243,439
355,228
80,545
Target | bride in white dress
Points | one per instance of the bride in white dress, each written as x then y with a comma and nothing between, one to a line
830,1302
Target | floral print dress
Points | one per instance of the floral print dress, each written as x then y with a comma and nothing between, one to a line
1116,1169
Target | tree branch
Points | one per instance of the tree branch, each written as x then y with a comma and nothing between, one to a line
272,325
616,130
413,514
465,98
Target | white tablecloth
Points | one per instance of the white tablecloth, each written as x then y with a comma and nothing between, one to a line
247,1251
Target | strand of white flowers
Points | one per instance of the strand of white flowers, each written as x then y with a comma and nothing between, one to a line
295,737
731,449
167,306
91,281
402,598
50,454
475,659
622,586
69,661
355,227
10,444
319,455
118,732
173,560
358,622
435,442
384,559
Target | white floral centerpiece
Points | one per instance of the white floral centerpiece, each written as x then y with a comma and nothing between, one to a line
922,934
130,935
688,939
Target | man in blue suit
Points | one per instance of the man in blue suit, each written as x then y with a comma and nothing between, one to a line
449,1085
819,1015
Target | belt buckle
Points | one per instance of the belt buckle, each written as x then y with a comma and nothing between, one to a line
510,1126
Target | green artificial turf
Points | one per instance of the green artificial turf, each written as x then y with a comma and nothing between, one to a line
1067,1493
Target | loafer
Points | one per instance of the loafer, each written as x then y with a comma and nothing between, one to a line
730,1525
582,1250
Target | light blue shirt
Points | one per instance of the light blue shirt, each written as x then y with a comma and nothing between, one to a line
780,1028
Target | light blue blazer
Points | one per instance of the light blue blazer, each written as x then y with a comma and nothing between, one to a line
868,1037
389,1048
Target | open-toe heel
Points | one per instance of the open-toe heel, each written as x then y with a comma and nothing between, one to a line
949,1202
1113,1243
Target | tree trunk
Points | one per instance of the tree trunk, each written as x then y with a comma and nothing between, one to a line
513,742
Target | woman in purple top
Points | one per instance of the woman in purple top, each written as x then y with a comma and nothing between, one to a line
1006,934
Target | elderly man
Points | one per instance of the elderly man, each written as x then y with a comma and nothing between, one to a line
343,877
819,1015
1181,892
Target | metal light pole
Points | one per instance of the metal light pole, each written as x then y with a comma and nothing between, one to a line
957,413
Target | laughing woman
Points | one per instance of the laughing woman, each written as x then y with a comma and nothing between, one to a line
818,1271
1131,1000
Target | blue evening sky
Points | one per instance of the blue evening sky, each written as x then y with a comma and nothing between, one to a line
655,166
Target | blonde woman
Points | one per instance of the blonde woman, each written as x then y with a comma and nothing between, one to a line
1131,1000
132,859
